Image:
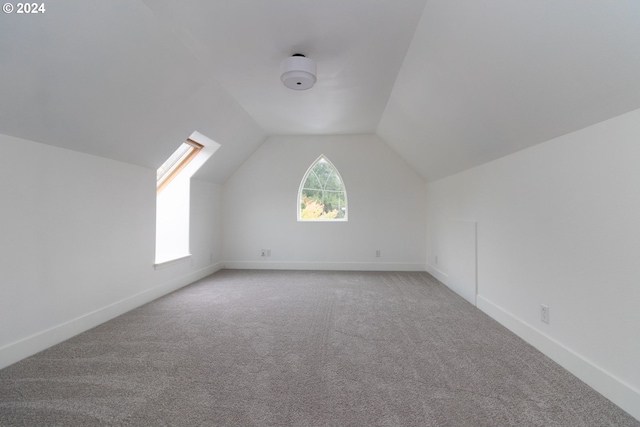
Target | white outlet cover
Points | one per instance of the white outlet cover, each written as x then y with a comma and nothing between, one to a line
544,313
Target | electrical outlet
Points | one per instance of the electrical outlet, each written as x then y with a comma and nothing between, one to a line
268,252
264,253
377,253
544,313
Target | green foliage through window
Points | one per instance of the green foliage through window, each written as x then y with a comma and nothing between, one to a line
322,195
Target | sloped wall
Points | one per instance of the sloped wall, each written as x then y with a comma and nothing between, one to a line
385,202
559,224
77,247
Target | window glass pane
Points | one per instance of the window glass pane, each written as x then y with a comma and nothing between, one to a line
322,195
323,170
312,182
335,201
312,194
173,159
334,183
176,162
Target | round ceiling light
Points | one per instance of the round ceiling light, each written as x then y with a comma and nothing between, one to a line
298,72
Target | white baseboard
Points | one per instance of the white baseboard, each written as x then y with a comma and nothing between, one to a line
33,344
438,274
341,266
611,387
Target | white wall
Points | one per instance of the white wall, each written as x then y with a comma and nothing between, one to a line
559,224
78,242
385,202
205,236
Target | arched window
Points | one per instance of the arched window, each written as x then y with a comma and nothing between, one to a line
322,195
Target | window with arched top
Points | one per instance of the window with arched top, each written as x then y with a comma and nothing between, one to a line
322,195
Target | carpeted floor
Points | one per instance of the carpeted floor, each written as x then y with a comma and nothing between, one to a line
287,348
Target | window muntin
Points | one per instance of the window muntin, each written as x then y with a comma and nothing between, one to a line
176,162
322,195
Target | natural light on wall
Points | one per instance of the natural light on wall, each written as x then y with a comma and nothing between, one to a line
173,187
322,195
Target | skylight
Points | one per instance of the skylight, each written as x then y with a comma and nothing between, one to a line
176,162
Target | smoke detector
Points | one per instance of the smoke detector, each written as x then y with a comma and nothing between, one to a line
298,72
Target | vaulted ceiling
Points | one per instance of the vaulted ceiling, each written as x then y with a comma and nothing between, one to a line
448,84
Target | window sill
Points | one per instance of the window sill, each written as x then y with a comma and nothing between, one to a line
324,220
169,262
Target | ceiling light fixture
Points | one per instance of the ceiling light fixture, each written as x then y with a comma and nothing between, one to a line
299,72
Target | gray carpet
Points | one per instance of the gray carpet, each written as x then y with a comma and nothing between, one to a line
285,348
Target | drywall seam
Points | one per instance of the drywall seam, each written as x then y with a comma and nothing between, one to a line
33,344
611,387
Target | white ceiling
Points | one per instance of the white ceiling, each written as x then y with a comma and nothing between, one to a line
359,46
462,83
485,78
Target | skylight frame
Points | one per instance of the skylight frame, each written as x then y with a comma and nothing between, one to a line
178,164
